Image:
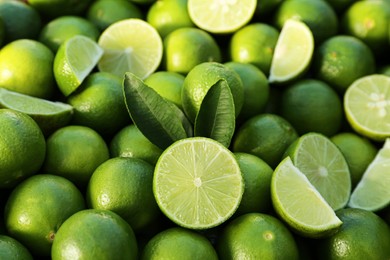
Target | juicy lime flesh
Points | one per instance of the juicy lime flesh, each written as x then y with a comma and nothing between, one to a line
298,201
293,51
325,167
367,106
198,183
372,192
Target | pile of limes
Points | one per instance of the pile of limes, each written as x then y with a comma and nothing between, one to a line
195,129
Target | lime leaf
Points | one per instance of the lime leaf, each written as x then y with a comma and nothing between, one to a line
158,119
216,117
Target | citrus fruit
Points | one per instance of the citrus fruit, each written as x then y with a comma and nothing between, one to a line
168,84
371,192
167,16
184,48
74,61
74,152
130,45
99,91
26,66
95,234
197,183
178,243
254,43
256,89
319,16
266,136
257,178
22,147
299,203
358,151
311,105
366,105
265,8
317,157
103,13
62,28
334,61
363,235
55,8
340,5
221,16
130,142
125,186
36,209
293,52
256,236
200,79
10,248
20,21
49,115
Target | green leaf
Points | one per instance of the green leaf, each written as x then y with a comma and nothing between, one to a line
216,118
158,119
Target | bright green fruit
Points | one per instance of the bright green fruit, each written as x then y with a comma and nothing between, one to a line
10,248
55,8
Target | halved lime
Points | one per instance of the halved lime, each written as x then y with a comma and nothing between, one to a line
324,165
198,183
74,60
130,45
293,52
372,192
49,115
299,203
367,106
221,16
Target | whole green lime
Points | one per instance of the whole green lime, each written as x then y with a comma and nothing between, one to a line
55,8
11,248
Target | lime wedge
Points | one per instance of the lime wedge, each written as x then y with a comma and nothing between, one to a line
367,106
130,45
49,115
73,62
324,165
299,204
293,52
372,192
198,183
221,16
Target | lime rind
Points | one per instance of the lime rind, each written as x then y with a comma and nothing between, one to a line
293,52
367,106
198,183
372,193
299,203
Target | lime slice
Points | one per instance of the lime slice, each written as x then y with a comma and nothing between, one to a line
49,115
293,52
198,183
372,192
299,204
74,60
324,165
221,16
367,106
130,45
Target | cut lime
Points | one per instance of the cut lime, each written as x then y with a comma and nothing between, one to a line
367,106
372,192
130,45
293,52
299,204
74,60
49,115
198,183
324,165
221,16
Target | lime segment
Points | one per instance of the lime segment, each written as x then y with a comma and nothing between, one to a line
198,183
221,16
130,45
293,52
299,203
372,192
367,106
